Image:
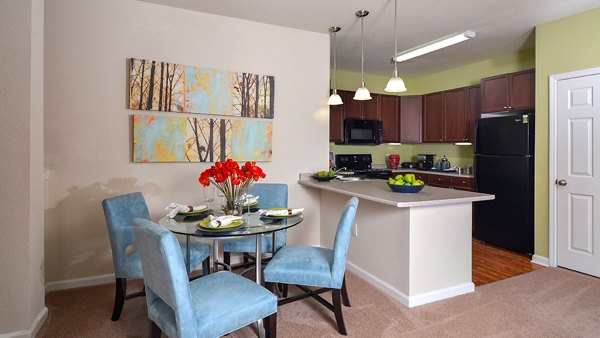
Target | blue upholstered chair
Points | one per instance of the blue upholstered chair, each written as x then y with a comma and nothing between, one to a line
120,211
306,266
210,306
272,195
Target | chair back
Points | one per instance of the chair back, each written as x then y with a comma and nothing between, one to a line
342,241
272,195
120,211
165,277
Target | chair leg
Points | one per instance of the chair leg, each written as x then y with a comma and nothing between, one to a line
227,258
345,299
206,266
337,310
120,289
155,331
271,326
284,290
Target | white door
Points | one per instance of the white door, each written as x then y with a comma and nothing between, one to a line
577,165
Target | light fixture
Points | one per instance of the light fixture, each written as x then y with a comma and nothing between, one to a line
334,99
463,143
434,45
395,84
362,93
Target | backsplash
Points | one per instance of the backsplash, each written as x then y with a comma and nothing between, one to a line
457,155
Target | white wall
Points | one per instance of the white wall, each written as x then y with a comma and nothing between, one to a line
88,128
21,149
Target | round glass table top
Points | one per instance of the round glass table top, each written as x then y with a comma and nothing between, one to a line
253,224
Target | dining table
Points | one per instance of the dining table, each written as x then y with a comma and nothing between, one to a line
253,225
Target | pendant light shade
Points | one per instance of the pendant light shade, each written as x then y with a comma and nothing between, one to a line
334,99
362,93
395,84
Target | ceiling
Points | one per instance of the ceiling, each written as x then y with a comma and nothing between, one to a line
502,26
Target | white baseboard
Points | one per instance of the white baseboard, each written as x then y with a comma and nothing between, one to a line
416,300
540,260
33,330
80,282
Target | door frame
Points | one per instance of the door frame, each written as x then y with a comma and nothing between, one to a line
552,161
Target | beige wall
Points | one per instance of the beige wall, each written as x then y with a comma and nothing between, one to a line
88,128
562,46
21,96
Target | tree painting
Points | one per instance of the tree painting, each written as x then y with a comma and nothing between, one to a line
193,139
163,86
156,86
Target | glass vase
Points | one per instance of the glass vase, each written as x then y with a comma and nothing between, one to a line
232,206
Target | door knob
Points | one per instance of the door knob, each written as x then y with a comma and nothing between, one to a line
562,183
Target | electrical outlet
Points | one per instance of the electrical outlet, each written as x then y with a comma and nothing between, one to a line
355,230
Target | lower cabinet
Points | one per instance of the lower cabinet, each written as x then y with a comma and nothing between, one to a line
446,181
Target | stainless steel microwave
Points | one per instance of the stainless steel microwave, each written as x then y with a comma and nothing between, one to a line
363,131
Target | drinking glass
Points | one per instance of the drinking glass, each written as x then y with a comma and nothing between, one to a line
208,195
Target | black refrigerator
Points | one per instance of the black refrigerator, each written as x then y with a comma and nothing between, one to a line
504,153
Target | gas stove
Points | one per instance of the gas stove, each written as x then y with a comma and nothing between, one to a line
359,165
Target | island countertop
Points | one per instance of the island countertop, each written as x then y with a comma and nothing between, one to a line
378,191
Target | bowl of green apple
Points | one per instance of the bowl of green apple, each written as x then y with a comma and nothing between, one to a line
324,176
407,183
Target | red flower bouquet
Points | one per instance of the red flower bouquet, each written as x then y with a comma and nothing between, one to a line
231,179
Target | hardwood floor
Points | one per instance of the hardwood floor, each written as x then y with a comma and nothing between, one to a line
491,264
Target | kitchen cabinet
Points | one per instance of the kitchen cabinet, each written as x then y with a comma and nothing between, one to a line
440,181
433,118
411,112
508,92
462,183
473,110
360,110
336,123
455,115
389,112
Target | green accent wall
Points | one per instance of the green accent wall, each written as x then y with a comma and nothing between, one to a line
565,45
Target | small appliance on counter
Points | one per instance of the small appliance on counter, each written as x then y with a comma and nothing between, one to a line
359,165
408,165
443,164
425,161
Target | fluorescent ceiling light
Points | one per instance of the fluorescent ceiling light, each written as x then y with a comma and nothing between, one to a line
435,45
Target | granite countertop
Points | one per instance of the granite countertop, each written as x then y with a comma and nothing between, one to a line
377,191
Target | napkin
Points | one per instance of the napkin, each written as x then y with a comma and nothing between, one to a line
175,208
216,222
280,212
249,199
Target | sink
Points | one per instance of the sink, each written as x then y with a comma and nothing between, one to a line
350,178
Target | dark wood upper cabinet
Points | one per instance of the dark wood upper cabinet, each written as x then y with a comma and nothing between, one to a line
455,115
522,90
370,108
433,118
508,92
411,112
336,123
389,115
352,107
473,110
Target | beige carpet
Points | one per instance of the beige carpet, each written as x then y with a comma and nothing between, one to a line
549,302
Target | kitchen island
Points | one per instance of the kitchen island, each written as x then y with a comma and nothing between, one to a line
414,247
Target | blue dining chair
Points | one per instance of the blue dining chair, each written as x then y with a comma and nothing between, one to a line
211,306
120,211
272,195
308,266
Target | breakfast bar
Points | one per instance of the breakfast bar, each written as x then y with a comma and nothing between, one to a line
415,247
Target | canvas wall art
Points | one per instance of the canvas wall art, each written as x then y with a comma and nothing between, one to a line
164,86
195,139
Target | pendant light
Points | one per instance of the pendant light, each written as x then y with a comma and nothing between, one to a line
395,84
362,93
334,99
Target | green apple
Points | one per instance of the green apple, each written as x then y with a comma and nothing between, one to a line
409,178
398,177
418,182
391,180
399,182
